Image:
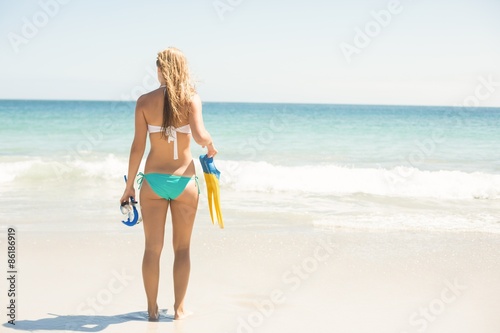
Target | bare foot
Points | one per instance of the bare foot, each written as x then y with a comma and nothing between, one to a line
182,314
154,316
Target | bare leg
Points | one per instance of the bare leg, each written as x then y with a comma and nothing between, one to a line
154,212
183,210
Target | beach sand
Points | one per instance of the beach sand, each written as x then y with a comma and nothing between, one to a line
248,279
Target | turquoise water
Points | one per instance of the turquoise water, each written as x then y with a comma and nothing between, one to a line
446,138
429,138
323,165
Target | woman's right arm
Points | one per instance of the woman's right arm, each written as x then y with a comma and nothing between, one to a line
200,134
136,150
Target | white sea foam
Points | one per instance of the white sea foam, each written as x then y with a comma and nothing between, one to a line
245,176
339,180
47,170
435,221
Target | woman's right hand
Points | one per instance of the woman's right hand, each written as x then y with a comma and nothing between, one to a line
211,150
129,192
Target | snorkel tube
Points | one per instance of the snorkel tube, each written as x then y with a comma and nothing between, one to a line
131,210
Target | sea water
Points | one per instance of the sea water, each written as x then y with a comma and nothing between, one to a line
319,166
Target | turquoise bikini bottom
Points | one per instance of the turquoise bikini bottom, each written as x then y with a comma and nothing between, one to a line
166,186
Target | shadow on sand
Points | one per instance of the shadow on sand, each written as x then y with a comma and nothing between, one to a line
80,323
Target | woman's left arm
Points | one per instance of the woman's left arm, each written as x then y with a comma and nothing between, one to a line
136,150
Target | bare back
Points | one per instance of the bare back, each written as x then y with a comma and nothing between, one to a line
161,156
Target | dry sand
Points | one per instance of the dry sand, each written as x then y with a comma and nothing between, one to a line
252,279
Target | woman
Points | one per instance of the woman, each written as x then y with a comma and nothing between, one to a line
172,115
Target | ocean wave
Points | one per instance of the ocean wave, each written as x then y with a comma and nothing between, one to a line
247,176
39,169
340,180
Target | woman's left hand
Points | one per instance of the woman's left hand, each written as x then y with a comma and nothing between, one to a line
211,151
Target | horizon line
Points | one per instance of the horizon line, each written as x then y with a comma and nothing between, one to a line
246,102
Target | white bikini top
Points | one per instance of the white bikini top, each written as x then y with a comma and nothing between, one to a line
172,134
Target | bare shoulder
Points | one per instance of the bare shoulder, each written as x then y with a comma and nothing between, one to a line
141,105
147,99
195,102
141,100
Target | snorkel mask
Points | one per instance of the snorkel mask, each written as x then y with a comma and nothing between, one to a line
128,208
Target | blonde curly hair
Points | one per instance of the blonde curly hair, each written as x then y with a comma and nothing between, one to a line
179,87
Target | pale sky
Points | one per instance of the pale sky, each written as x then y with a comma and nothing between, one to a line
417,52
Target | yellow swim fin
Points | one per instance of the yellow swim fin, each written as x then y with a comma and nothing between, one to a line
211,175
210,194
